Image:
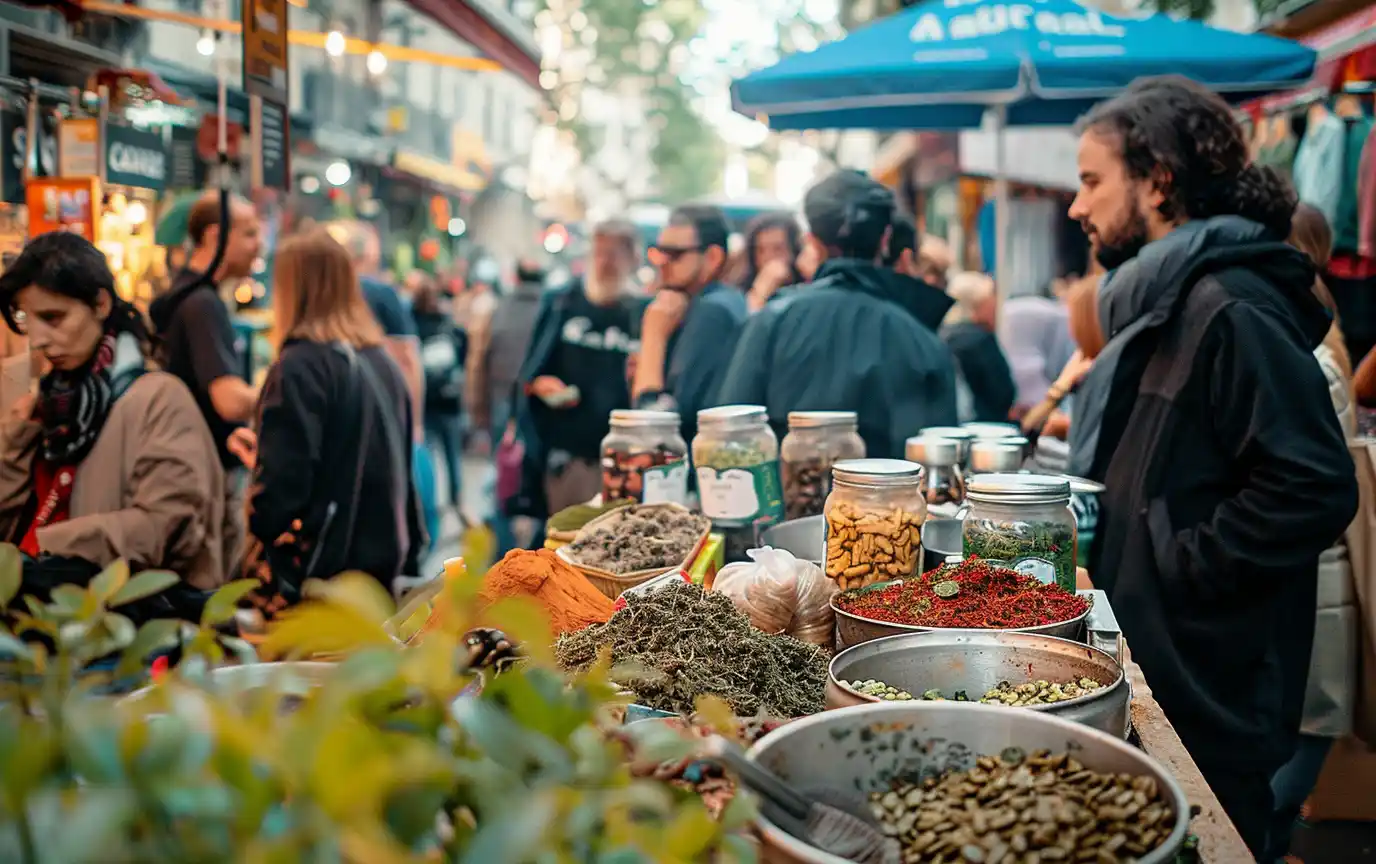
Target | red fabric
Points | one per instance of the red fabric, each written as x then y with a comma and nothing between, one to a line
1347,266
53,486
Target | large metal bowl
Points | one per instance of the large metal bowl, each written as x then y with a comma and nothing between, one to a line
806,538
293,680
976,661
862,749
852,629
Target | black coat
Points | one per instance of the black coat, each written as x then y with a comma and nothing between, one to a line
859,338
1227,477
981,362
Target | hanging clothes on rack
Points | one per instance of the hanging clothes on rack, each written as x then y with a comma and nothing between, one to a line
1278,146
1319,168
1366,193
1346,234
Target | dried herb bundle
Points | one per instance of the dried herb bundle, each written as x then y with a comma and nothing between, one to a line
688,643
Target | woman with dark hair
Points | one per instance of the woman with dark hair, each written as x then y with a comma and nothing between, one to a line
772,244
109,459
1209,422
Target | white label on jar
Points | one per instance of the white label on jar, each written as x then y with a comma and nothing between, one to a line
1044,571
666,484
729,494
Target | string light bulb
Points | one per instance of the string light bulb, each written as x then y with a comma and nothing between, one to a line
377,62
334,43
205,46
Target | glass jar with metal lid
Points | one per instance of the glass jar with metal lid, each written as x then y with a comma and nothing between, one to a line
644,458
736,462
943,481
874,518
996,456
955,433
815,441
1022,521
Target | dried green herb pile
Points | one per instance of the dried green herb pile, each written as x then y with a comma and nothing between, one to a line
681,643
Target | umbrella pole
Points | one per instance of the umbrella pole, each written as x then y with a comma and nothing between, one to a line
1003,276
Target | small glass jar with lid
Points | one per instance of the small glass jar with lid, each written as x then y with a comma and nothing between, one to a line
736,462
816,440
996,456
874,518
644,458
943,482
959,434
1023,522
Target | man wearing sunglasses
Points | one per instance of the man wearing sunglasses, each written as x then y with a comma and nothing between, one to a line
687,328
860,338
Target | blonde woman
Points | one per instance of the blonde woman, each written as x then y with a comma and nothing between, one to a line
332,488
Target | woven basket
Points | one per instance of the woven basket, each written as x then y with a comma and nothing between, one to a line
612,584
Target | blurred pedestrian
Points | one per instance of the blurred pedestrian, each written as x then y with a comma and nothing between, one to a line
691,319
980,364
196,340
772,244
443,347
333,489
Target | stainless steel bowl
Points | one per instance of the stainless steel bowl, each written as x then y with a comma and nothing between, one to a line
862,749
290,679
806,538
852,629
987,431
996,457
941,538
976,662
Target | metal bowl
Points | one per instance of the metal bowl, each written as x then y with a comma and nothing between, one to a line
806,538
293,680
852,629
862,749
941,538
976,662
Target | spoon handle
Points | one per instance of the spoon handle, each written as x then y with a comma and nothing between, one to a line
758,778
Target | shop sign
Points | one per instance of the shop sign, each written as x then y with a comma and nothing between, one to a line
63,204
271,166
134,157
78,147
185,170
265,49
14,140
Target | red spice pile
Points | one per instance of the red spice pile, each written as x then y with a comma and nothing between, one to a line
990,597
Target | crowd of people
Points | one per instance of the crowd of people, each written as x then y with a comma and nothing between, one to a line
1198,372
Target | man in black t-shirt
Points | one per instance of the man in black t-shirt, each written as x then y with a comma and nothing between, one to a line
575,370
197,342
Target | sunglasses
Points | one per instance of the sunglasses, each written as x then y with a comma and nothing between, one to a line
666,254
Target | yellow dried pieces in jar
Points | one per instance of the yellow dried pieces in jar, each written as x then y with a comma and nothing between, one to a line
865,547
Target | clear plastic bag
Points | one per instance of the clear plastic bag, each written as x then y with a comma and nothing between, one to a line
781,594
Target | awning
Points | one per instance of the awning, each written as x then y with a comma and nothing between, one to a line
450,178
490,28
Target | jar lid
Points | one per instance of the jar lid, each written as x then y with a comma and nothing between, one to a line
953,432
1014,440
877,472
993,457
985,431
937,452
733,416
630,417
1017,489
1080,485
821,419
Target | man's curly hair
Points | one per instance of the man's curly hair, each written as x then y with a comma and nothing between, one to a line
1184,139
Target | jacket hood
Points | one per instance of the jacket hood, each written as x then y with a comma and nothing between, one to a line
1152,283
927,304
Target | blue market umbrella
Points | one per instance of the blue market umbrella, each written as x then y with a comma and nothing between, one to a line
941,64
946,64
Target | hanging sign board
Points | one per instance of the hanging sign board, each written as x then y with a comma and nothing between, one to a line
271,157
63,204
266,81
13,147
134,157
78,147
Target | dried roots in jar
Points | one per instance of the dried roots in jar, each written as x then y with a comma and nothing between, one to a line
865,547
623,471
806,484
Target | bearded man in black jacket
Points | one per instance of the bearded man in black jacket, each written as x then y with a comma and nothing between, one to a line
1210,422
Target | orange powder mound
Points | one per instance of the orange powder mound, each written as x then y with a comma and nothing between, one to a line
571,601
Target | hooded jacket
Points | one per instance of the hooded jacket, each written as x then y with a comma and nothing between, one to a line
860,338
1227,476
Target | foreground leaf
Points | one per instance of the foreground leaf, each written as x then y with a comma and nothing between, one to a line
146,584
153,636
11,572
108,581
222,604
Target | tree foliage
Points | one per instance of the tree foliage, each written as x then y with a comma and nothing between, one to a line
634,53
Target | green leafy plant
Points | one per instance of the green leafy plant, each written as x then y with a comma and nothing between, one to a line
385,757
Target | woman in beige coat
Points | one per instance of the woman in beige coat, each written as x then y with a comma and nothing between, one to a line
107,460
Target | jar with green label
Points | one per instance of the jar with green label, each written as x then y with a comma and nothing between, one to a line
1023,522
736,462
645,459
